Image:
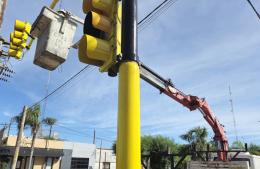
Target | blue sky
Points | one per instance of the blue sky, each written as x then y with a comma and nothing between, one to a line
203,46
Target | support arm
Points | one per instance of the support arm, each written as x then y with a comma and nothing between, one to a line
192,103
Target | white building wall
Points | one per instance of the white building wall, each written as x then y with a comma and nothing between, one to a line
108,156
82,150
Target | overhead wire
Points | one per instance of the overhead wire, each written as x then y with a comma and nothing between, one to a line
146,20
67,88
82,133
154,14
165,4
62,85
254,9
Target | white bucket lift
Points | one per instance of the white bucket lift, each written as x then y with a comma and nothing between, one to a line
55,32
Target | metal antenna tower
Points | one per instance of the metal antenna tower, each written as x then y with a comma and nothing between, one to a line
233,113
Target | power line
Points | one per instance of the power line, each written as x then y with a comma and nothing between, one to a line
82,133
146,20
141,23
154,14
61,86
257,14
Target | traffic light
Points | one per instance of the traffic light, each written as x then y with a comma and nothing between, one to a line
101,42
18,38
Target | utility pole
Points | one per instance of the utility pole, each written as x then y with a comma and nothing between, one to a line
94,137
9,127
19,138
128,138
2,10
233,113
100,155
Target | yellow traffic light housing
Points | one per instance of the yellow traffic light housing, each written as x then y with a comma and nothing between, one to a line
101,42
18,38
23,27
17,53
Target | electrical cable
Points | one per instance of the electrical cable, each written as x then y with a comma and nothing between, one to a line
257,14
141,23
82,133
61,86
154,14
68,87
149,17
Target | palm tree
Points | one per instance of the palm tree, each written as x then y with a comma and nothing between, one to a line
33,121
197,138
50,122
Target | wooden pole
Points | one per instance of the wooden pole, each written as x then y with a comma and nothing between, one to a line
19,138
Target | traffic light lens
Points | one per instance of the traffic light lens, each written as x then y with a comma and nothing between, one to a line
94,49
15,53
100,6
22,26
20,35
12,46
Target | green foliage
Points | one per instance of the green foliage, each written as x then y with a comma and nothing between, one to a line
196,136
254,149
49,121
155,146
32,118
157,143
4,160
197,139
237,145
114,147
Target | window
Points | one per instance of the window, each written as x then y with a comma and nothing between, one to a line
48,163
79,163
106,165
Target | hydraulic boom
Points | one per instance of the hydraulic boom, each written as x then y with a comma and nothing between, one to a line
192,103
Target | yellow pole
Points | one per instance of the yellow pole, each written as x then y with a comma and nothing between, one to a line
128,152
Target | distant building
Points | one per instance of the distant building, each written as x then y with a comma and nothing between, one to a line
49,154
105,159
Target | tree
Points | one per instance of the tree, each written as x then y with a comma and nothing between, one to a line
50,122
4,160
32,119
237,145
155,146
197,139
254,149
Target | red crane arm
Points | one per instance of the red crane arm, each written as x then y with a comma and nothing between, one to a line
192,103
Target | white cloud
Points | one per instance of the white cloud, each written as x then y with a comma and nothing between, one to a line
7,114
202,46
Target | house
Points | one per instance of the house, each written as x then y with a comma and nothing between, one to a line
49,154
105,159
